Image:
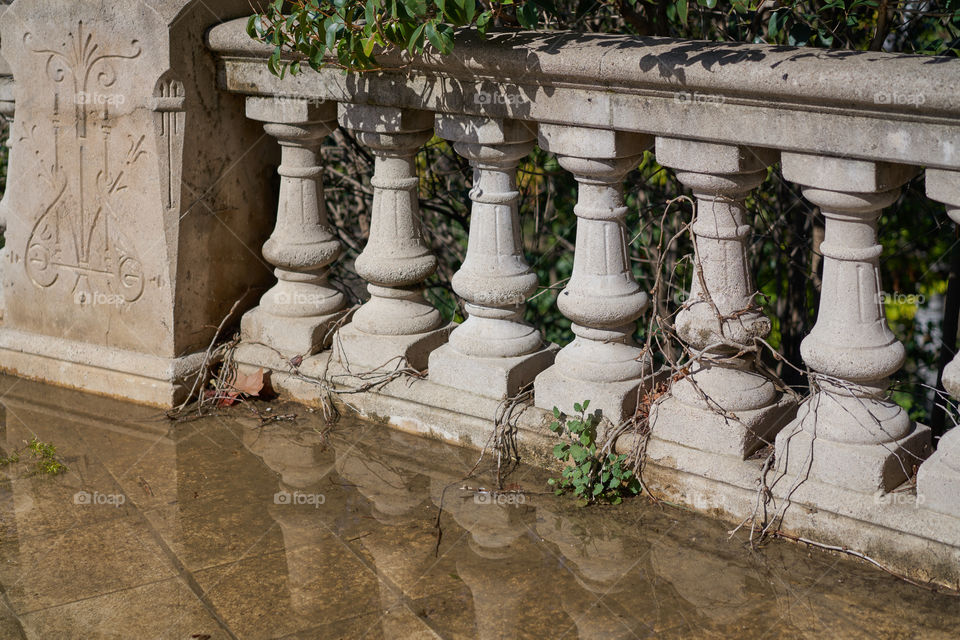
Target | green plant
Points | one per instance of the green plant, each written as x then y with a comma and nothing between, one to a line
352,32
44,456
590,475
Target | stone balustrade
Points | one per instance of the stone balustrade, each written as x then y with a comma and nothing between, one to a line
717,115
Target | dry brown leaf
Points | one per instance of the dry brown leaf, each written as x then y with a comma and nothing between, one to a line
250,384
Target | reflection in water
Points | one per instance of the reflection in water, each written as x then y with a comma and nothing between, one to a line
231,529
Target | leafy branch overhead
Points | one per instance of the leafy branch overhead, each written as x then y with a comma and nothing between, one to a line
351,30
351,33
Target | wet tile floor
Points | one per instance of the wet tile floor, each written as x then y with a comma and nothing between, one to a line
223,528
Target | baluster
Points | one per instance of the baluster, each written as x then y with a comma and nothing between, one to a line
602,298
725,405
938,481
295,315
397,325
494,352
848,432
7,110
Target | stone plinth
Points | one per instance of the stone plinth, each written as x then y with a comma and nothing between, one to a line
136,194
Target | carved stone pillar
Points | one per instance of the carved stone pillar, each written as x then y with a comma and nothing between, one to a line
295,315
397,323
133,203
602,298
938,481
848,432
725,405
494,352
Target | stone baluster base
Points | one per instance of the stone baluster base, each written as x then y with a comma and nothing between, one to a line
494,353
724,405
938,481
848,432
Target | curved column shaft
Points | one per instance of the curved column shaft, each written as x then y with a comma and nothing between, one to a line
295,315
849,432
602,298
7,109
396,325
724,405
499,352
938,481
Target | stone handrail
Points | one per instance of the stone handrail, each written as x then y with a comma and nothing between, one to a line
875,106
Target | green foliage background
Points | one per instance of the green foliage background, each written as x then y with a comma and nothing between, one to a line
918,238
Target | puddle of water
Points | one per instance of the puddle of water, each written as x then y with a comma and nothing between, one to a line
222,528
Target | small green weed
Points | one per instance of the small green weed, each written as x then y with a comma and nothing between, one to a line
44,457
589,475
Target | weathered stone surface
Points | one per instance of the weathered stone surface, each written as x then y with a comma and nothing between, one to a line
938,480
493,352
944,186
602,298
861,439
724,405
296,315
742,94
396,326
495,377
7,109
865,467
739,433
134,197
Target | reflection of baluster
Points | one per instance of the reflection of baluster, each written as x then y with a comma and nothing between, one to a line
938,481
602,298
396,324
720,177
596,556
848,432
500,551
303,462
494,352
295,315
729,597
402,546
